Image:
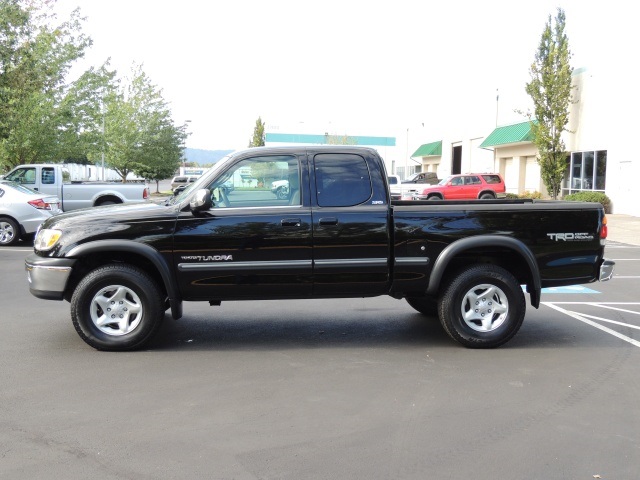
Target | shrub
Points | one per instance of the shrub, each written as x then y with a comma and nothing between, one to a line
597,197
512,195
528,194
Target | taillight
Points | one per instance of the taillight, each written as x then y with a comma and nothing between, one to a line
604,230
40,204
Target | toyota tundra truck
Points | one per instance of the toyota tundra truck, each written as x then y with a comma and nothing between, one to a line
336,233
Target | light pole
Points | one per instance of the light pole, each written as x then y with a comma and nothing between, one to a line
102,110
184,146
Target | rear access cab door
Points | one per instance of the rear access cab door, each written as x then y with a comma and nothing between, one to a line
350,216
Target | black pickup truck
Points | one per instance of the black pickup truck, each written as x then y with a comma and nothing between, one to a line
334,234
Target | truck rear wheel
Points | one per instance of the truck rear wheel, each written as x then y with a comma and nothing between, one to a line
117,307
482,307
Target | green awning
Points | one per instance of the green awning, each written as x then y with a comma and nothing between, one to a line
432,149
520,132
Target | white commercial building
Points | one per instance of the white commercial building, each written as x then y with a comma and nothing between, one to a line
599,141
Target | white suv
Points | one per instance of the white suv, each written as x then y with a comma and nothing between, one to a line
182,180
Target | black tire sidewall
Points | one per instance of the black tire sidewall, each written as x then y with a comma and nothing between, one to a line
451,301
127,276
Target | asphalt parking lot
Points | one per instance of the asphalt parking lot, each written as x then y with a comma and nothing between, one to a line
358,389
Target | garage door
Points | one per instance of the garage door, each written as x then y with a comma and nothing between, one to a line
532,175
510,176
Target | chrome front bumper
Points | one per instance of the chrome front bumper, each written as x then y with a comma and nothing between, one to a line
48,277
606,270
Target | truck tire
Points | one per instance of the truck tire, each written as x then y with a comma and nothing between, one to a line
426,305
9,232
483,306
487,196
117,307
107,201
282,193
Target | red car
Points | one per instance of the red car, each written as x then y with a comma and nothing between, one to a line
464,187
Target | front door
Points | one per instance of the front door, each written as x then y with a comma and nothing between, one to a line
252,243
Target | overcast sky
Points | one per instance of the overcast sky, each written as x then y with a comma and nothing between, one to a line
346,67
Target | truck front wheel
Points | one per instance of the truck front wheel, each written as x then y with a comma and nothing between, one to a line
117,307
482,307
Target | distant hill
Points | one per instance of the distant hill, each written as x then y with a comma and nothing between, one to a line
204,157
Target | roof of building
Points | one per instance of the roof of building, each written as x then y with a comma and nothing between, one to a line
327,139
509,134
432,149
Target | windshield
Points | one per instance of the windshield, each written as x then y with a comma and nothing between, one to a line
20,188
444,180
192,187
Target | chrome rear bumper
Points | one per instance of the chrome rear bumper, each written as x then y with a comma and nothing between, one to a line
606,270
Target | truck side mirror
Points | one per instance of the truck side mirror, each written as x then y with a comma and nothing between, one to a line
201,201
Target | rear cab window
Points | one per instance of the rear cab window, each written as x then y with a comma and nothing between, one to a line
342,180
491,178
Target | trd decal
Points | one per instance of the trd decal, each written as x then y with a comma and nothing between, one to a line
570,237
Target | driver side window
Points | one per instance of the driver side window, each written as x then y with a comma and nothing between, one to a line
268,181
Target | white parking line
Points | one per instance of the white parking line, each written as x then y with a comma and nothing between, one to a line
602,305
636,327
582,318
15,250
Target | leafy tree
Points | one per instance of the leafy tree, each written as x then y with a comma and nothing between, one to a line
550,90
263,172
139,134
258,134
340,140
36,118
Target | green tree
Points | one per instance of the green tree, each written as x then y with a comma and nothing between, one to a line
340,140
139,134
36,120
550,89
258,134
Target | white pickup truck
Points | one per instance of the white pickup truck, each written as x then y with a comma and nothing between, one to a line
50,179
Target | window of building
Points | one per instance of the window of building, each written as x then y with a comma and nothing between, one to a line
586,171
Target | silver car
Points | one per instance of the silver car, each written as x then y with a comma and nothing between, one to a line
22,210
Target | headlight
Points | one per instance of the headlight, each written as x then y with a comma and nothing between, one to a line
46,239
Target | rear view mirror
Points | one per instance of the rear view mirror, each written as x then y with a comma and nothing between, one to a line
201,201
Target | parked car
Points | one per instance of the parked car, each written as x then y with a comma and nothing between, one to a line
430,178
182,180
51,180
123,268
22,210
395,187
465,187
280,188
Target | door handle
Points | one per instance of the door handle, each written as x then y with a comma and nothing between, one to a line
328,221
290,222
